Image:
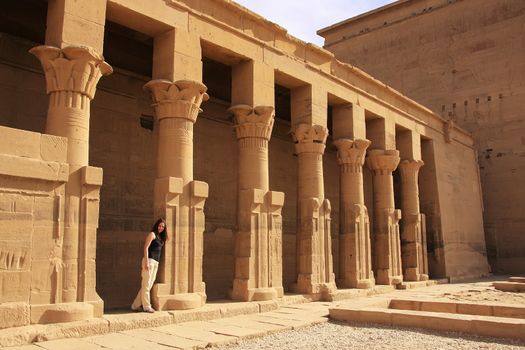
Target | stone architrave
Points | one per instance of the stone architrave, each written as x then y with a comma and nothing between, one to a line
355,262
72,74
178,197
258,243
314,247
387,245
413,249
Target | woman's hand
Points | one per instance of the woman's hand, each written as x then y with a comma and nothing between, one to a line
145,265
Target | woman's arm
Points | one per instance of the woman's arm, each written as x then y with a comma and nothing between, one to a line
150,237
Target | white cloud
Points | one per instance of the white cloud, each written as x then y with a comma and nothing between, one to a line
303,18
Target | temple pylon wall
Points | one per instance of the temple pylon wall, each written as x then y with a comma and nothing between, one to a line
284,201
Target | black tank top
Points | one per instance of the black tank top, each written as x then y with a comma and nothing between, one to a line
155,247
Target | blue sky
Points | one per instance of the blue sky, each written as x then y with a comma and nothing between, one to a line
302,18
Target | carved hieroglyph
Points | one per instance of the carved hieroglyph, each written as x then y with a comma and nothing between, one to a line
355,261
177,196
413,240
387,245
258,243
72,74
314,247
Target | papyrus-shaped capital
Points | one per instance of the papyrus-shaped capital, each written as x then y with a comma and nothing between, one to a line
351,152
180,99
256,122
309,138
73,69
382,161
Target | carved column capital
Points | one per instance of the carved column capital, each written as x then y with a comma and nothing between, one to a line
179,99
75,69
382,161
309,138
409,170
253,122
351,153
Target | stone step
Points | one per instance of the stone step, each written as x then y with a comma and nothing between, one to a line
517,279
481,325
510,286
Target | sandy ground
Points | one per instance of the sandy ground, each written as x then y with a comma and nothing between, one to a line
338,336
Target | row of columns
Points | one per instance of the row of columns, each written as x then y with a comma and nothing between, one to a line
72,74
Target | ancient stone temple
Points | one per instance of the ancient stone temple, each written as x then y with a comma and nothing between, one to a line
462,62
278,168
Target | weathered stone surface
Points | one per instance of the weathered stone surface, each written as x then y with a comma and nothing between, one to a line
485,104
262,221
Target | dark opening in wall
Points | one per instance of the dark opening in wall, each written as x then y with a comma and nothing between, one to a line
147,121
329,120
128,49
24,19
282,103
218,78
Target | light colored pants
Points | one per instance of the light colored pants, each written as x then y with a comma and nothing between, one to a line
148,278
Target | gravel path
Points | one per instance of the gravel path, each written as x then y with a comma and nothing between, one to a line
341,336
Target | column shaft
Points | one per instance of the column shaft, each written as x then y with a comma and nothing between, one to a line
258,243
72,74
178,197
253,163
314,250
412,247
175,149
387,248
355,254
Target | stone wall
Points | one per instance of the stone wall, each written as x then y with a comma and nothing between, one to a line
33,174
464,60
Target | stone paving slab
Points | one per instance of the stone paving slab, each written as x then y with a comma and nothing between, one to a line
25,347
68,344
225,329
119,341
161,338
248,322
198,334
289,322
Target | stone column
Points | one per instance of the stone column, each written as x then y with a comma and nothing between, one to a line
355,262
387,248
178,197
258,243
314,247
72,74
413,251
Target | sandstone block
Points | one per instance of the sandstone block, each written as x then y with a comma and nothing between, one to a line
20,143
64,312
53,148
119,323
205,313
92,176
504,328
235,309
14,286
14,315
439,307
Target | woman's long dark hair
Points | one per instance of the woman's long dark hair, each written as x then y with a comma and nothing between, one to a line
164,234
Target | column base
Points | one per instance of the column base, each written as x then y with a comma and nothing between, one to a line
359,284
161,299
183,301
254,294
383,277
66,312
304,286
411,274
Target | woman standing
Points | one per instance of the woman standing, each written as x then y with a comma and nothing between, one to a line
150,263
